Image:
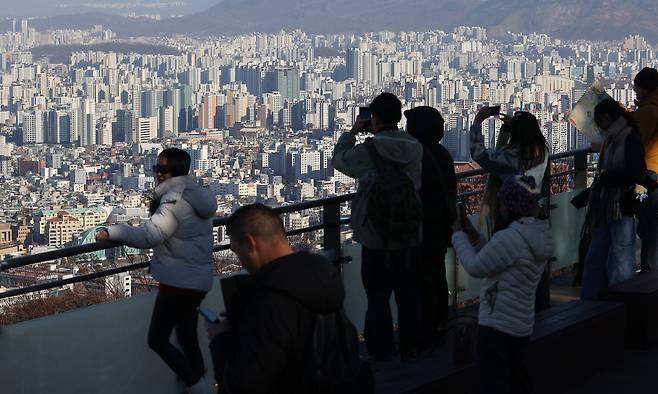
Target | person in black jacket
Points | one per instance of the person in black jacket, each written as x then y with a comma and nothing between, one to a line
259,347
612,203
438,194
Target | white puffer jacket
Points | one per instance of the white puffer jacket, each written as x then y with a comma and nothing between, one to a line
180,233
511,263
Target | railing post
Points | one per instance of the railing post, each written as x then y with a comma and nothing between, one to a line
580,166
331,221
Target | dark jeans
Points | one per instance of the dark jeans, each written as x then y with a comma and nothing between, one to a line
383,273
501,363
647,230
433,289
179,311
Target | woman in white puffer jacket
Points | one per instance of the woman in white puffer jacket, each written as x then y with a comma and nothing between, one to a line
180,234
511,264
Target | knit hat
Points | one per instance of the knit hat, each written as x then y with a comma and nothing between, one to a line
520,195
647,79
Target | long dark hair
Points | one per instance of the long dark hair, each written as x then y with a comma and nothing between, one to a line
615,111
527,136
178,162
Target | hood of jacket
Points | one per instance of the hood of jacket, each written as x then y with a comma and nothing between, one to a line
398,146
309,278
537,234
202,200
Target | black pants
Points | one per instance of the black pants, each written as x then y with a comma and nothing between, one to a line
501,363
433,289
647,230
179,311
383,273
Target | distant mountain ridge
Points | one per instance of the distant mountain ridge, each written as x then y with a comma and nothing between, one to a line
568,19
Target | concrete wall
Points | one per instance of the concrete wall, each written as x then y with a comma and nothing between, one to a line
100,349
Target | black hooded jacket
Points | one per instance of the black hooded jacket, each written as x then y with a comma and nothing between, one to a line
271,316
438,191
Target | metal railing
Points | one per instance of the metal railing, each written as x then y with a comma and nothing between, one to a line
331,225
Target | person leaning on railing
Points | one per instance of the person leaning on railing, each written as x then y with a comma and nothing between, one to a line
180,233
612,202
510,265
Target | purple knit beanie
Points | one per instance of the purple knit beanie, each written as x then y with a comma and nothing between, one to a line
520,195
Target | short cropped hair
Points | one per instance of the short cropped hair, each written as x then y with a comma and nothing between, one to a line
256,220
178,160
387,108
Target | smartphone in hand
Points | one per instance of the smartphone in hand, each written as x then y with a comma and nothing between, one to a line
209,315
465,223
365,115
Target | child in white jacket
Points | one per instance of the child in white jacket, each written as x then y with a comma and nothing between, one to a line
511,264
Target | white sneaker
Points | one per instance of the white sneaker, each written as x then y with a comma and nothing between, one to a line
202,387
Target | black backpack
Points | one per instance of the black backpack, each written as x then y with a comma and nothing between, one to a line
393,205
331,360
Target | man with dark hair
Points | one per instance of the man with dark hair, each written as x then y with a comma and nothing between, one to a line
646,117
260,346
386,265
439,196
387,109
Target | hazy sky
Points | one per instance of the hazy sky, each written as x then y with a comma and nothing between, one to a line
42,8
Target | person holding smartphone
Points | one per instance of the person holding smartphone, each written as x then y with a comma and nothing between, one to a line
180,233
387,257
510,264
521,147
261,346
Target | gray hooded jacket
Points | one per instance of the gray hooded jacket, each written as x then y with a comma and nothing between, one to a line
354,161
180,233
